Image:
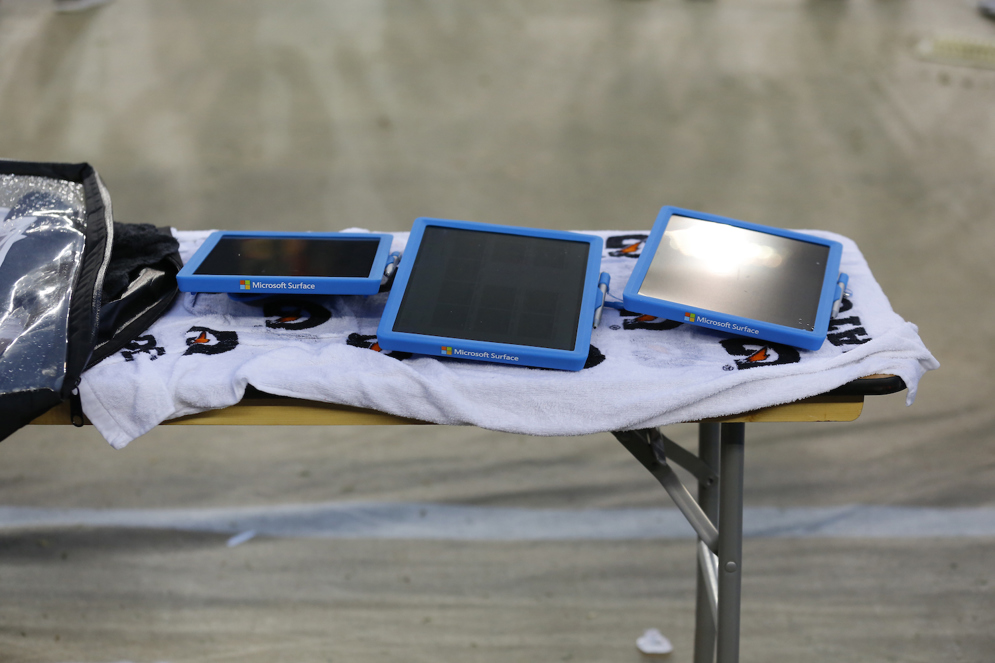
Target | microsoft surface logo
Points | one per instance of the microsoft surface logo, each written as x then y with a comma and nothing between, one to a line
689,317
446,350
244,285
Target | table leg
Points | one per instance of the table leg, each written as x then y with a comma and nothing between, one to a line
722,544
730,543
704,624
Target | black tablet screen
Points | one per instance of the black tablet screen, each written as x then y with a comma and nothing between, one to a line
737,271
291,256
486,286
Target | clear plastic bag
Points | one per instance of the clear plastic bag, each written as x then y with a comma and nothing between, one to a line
42,224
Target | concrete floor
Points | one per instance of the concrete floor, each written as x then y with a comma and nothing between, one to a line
588,114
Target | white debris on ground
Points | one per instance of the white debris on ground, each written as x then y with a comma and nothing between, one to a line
654,643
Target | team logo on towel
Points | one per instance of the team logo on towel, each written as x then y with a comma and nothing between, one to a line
295,315
594,357
146,344
626,246
369,342
205,341
752,354
632,320
848,330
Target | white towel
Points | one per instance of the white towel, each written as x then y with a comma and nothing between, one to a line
643,372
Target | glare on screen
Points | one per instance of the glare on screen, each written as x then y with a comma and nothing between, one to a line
722,249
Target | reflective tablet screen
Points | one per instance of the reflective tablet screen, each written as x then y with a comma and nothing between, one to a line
736,271
291,256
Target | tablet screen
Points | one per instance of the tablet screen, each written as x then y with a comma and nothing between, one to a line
496,287
290,256
737,271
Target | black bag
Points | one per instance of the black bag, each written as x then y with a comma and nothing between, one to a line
75,286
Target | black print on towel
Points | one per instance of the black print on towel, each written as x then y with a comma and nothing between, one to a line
632,320
142,344
626,246
369,342
848,330
295,315
753,354
204,341
594,357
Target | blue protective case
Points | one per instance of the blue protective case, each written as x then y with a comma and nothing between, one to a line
832,289
504,353
189,281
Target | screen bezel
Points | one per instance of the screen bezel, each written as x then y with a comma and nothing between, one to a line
573,359
768,331
190,281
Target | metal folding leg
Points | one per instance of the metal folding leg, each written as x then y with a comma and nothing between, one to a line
730,543
719,548
708,499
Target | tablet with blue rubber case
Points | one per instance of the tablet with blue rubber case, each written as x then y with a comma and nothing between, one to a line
495,293
301,263
742,278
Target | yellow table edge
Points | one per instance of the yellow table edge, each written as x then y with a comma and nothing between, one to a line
278,411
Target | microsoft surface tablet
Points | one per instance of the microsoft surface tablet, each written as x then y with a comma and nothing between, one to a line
494,293
743,278
281,262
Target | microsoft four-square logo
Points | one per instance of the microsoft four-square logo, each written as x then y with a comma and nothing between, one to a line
244,285
689,317
446,350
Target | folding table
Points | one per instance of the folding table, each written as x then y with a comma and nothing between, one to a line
716,515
